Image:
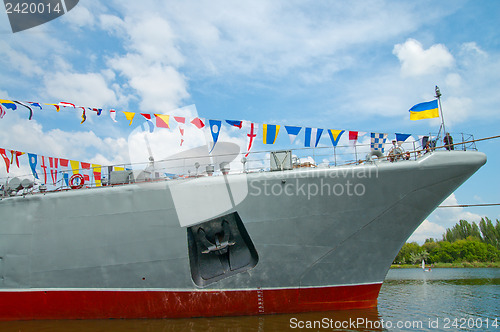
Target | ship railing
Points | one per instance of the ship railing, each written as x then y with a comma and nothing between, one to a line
257,161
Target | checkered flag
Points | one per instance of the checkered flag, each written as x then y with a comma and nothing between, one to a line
378,141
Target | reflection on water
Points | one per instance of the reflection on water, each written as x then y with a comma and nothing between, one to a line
410,299
324,321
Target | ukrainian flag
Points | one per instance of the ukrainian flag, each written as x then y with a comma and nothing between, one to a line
426,110
270,133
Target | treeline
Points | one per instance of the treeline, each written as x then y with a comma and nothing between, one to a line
464,242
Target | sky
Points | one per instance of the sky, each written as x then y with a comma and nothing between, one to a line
323,64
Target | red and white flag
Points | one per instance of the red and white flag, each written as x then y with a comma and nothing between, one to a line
199,123
252,134
53,163
181,121
5,158
112,114
15,155
44,169
66,104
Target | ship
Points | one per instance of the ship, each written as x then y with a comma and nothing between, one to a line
285,240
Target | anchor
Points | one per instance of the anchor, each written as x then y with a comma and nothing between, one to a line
222,242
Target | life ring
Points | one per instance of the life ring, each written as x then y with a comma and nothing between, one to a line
81,181
376,153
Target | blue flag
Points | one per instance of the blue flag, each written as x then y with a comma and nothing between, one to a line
33,158
402,137
378,141
35,104
292,132
270,133
312,137
235,123
215,129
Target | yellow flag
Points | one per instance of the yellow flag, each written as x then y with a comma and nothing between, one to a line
97,174
129,116
75,166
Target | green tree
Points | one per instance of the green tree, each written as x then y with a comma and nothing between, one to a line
464,242
490,233
443,253
404,255
431,248
416,258
461,231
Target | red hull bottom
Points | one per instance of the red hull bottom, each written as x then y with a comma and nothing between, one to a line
102,304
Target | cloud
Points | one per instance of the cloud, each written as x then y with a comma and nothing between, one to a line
457,109
80,17
441,219
9,57
90,89
160,87
151,64
427,230
415,61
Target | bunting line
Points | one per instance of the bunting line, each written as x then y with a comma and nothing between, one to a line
270,132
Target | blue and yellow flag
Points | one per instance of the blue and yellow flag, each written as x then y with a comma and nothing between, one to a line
426,110
335,135
270,133
8,104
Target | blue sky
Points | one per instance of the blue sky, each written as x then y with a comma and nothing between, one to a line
340,65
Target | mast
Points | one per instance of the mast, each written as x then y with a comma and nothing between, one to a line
438,96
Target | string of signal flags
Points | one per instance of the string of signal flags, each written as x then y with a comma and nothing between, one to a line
270,132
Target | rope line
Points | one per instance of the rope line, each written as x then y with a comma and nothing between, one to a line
468,205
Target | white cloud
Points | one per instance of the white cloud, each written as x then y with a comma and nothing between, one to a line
427,230
457,109
151,64
454,80
160,87
472,49
90,89
80,17
415,61
9,57
112,24
259,37
441,219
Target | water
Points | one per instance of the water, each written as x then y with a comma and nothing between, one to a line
410,300
443,299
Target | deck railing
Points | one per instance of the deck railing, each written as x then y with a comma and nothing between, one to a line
257,161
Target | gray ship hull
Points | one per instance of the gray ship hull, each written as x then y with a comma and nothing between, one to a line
287,241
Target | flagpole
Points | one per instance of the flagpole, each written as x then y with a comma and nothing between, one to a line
438,96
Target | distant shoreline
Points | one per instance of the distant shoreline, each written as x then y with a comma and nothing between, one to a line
448,265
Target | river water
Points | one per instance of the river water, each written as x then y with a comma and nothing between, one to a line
410,300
